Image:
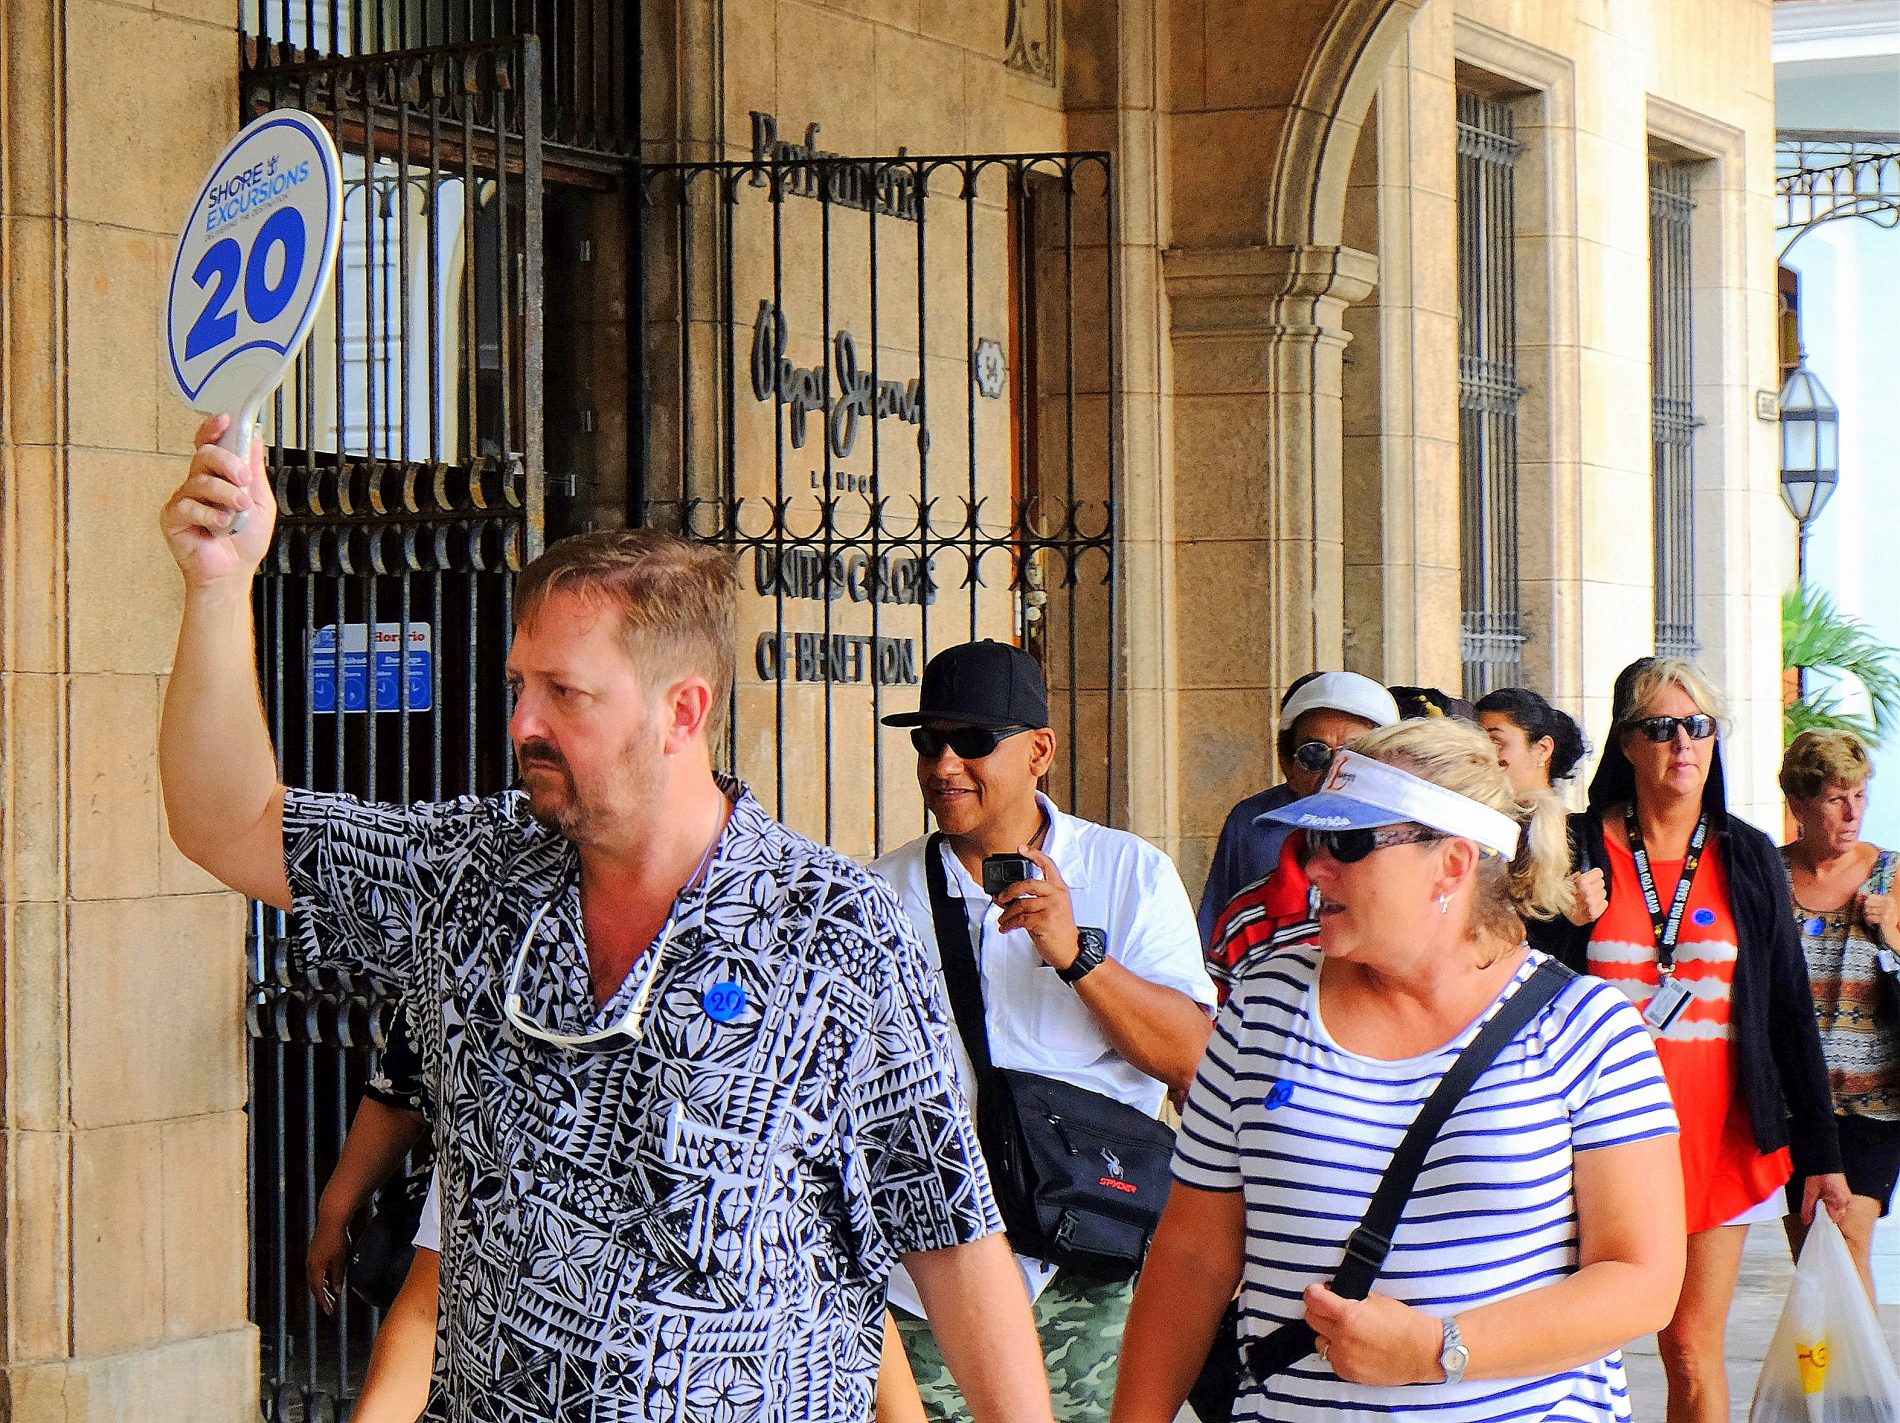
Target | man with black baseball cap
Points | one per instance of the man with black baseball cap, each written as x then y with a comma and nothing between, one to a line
1088,958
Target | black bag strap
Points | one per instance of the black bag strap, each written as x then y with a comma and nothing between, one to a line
960,973
1368,1246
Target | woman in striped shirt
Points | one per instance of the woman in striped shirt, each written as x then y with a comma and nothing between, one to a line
1545,1229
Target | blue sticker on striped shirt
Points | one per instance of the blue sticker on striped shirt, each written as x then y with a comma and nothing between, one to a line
1704,917
1817,926
1280,1094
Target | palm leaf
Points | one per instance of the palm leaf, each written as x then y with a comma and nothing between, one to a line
1817,637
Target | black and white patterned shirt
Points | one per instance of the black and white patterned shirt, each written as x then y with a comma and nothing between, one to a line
697,1226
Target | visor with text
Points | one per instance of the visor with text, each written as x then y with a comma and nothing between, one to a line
1360,793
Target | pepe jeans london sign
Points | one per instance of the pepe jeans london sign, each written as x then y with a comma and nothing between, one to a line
806,390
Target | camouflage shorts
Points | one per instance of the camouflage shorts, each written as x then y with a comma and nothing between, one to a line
1080,1321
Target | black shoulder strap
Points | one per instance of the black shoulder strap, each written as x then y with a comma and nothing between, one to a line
1367,1247
960,973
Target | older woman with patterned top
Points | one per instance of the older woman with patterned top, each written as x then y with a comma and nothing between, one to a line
1844,910
1685,910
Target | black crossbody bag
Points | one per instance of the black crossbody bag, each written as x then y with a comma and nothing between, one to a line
1367,1247
1080,1178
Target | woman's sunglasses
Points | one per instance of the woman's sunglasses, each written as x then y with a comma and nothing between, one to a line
1314,756
1349,847
971,743
1664,728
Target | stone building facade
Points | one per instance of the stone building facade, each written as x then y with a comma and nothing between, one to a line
1298,194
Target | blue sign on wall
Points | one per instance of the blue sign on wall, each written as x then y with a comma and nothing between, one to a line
390,668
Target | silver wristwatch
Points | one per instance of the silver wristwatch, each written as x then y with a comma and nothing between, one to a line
1454,1358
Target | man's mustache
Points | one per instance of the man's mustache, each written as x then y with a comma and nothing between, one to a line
540,753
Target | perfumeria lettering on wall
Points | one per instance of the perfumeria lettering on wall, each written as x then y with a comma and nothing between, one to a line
805,389
244,193
890,188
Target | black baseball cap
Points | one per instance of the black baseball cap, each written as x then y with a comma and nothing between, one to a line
985,683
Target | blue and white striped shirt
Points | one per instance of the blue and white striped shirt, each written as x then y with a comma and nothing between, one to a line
1306,1128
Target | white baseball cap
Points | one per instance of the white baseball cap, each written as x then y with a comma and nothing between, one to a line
1360,794
1346,692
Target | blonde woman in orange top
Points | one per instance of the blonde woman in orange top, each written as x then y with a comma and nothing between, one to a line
1685,908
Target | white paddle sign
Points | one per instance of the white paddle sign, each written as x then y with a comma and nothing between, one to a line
254,260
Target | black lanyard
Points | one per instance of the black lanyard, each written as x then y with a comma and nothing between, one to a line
1667,929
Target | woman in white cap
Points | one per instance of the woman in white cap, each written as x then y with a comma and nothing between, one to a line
1544,1229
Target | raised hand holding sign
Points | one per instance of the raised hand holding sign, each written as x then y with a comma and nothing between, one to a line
254,260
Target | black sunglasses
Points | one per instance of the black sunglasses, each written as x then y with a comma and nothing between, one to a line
971,743
1314,756
1349,847
1700,727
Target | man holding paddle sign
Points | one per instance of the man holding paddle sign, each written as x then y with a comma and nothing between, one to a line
693,1085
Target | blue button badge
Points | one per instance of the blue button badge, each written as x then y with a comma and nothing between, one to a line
1817,926
1279,1094
723,1002
1704,917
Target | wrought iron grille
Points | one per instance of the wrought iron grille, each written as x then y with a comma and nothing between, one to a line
405,453
589,52
1672,404
1821,175
888,385
1488,394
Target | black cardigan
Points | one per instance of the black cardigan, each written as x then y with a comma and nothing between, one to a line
1783,1075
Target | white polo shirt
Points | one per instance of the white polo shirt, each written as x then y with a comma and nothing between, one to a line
1119,884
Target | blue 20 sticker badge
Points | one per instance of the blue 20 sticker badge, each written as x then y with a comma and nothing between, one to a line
253,264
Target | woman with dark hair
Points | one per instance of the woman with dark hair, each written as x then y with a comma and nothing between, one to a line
1687,913
1537,744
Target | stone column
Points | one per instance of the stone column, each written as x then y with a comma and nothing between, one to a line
1256,341
123,1152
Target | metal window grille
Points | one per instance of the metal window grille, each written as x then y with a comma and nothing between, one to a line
1488,394
1672,405
589,49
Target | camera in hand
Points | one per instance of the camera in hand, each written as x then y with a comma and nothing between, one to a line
1002,871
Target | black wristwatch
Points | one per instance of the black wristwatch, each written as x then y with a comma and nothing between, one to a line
1092,948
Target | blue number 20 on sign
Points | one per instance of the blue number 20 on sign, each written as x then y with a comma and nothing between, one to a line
264,300
254,261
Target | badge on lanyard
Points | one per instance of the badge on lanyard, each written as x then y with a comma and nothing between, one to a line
1671,999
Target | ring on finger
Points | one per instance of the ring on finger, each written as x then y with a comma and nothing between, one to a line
1322,1348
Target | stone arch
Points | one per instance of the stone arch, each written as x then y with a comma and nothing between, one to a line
1306,195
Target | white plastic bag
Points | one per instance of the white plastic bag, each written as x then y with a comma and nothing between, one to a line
1827,1362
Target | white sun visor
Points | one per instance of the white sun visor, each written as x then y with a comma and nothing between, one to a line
1360,793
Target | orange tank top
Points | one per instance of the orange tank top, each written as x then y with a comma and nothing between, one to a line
1722,1172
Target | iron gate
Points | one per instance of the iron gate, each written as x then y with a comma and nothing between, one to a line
405,455
925,451
888,384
